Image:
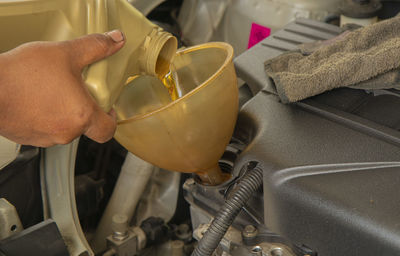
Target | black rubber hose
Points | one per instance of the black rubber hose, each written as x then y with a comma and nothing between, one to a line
249,184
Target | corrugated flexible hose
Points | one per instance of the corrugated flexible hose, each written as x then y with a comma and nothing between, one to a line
249,184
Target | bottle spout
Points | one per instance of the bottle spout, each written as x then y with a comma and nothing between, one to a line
158,48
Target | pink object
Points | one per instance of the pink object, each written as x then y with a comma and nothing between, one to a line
257,33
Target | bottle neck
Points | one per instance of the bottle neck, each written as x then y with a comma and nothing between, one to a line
158,49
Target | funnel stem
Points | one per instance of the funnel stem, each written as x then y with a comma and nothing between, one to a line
212,176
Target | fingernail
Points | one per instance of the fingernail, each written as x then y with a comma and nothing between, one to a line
116,35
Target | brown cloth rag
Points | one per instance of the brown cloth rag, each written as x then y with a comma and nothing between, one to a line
366,58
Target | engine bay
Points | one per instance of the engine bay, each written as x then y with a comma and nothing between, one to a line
313,178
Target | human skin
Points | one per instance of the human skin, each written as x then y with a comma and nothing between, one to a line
43,98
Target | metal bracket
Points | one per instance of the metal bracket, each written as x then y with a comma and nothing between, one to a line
9,220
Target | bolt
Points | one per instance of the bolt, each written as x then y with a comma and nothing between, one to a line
183,228
190,181
257,251
276,252
183,232
250,231
177,248
119,227
177,244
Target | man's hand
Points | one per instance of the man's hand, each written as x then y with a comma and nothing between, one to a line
43,99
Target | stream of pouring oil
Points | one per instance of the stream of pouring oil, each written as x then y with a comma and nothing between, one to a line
171,84
212,176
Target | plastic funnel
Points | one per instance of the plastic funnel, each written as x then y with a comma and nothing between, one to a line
189,134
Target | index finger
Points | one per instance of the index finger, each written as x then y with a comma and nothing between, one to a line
101,126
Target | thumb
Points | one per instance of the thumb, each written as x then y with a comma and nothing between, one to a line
94,47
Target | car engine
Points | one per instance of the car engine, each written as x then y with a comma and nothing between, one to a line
313,178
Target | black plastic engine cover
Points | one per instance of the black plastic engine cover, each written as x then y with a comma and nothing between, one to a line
311,196
337,210
43,239
332,164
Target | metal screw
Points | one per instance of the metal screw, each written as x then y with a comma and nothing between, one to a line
183,232
276,252
250,231
190,181
183,228
177,247
257,251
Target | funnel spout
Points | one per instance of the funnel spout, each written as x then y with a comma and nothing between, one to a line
213,176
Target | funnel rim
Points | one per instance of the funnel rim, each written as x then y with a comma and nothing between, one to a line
228,59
